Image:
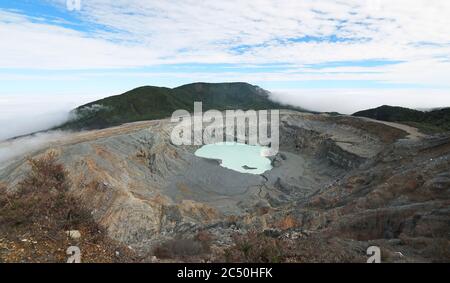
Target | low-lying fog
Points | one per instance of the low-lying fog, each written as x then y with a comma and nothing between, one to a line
349,101
21,146
25,114
22,114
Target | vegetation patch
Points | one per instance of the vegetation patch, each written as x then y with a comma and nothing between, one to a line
256,247
35,218
428,122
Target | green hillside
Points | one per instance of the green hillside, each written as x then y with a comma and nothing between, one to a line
429,121
149,102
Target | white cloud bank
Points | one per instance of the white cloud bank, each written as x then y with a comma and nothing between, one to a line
349,101
24,114
142,33
9,150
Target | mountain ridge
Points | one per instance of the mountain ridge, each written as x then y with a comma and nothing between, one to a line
432,121
151,102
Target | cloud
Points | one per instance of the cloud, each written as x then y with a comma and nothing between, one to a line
9,150
349,101
22,114
142,33
42,46
114,45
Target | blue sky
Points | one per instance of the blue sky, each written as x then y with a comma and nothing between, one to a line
324,55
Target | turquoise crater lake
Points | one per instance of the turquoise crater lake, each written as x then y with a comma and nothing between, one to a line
237,156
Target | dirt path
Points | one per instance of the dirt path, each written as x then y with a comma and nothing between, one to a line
413,133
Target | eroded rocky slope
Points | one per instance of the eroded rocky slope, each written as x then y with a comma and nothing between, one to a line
343,176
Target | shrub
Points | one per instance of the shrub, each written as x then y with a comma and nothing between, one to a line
42,198
42,209
257,248
46,174
205,238
180,248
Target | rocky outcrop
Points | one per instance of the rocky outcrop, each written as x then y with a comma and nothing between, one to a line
338,156
403,193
